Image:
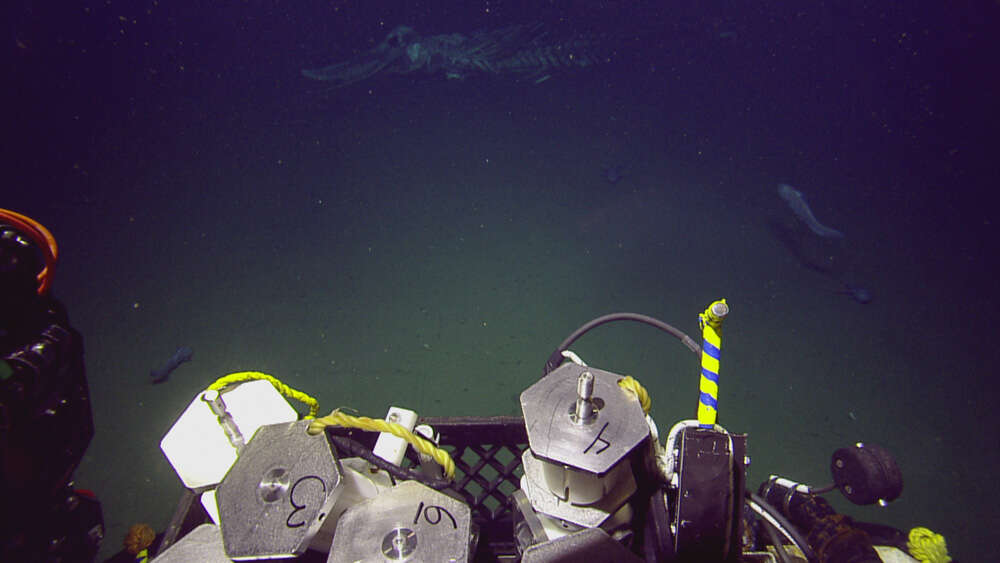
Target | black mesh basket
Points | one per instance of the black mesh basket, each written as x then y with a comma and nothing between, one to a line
487,454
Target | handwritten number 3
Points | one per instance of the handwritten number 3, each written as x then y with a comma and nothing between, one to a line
299,507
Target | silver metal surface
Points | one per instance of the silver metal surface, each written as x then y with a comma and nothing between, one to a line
592,545
275,497
399,543
585,411
528,529
411,522
202,544
218,406
720,309
617,426
591,516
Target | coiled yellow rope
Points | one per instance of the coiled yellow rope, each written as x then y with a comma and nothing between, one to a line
285,390
422,445
633,386
927,546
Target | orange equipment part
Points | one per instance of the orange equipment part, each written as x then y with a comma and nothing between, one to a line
45,241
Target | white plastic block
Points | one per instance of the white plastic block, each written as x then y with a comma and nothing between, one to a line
196,445
389,446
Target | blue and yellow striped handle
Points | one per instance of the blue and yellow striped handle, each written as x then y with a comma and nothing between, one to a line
711,348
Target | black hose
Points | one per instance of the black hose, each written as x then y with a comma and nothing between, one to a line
352,448
788,530
556,358
772,534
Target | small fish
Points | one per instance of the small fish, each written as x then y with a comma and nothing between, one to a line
801,210
613,174
183,354
859,294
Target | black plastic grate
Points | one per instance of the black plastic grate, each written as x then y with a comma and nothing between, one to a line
487,454
487,475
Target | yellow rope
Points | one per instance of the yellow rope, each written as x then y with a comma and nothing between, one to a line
927,546
631,385
285,390
422,445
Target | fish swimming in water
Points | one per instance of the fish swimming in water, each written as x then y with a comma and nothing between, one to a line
183,354
801,210
859,294
613,174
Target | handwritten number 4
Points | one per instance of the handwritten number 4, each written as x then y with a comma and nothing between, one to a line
604,444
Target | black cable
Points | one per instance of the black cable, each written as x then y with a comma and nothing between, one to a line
556,358
352,448
788,530
822,490
772,534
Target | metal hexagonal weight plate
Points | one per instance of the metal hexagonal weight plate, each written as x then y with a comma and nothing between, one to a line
597,446
275,497
411,522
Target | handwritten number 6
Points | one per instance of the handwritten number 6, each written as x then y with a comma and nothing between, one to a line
439,512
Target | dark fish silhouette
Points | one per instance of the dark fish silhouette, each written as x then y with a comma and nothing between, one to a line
859,294
613,174
183,354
